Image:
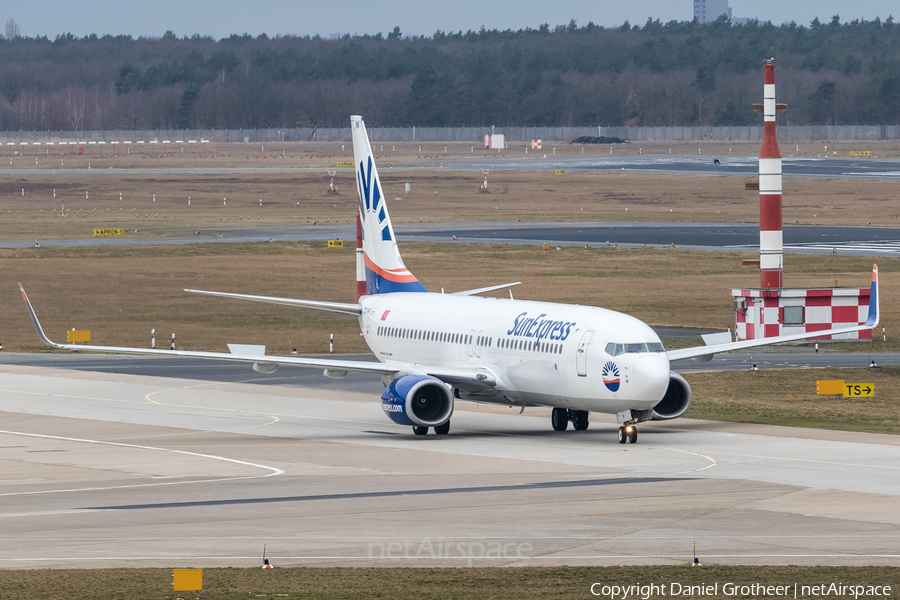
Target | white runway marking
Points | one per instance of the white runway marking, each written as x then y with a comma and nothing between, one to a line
678,557
274,471
881,248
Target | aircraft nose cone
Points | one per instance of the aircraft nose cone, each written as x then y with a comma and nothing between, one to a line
651,376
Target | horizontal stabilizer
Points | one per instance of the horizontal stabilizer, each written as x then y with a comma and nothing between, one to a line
340,307
486,289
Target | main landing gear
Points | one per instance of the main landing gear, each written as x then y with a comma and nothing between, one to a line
560,418
440,429
628,433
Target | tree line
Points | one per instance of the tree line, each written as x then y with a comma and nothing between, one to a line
656,74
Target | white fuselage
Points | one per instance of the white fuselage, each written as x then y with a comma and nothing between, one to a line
539,353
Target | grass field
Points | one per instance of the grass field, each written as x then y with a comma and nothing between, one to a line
788,398
419,584
328,154
120,293
228,201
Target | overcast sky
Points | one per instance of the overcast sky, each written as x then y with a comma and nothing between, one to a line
221,18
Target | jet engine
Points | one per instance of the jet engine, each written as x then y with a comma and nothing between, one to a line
417,400
676,400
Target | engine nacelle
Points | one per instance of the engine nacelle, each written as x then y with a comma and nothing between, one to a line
676,400
417,400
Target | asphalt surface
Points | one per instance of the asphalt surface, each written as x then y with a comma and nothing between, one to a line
223,371
800,239
716,237
111,470
826,168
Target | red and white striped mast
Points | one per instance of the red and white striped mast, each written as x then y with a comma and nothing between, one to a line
771,239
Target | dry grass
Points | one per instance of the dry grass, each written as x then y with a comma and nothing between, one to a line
780,397
120,293
328,154
339,583
291,199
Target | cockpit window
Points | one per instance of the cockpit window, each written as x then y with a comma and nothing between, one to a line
618,349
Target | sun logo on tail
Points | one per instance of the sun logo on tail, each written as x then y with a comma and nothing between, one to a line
611,376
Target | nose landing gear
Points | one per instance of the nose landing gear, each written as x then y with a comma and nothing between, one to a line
627,433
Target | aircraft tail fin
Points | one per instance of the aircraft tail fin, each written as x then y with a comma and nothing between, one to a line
385,271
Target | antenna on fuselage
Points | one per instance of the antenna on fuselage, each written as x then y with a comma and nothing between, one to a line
510,295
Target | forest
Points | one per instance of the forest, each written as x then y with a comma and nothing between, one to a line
651,74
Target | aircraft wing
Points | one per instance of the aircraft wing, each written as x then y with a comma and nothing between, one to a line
707,352
466,378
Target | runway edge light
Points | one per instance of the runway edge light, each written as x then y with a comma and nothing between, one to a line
265,564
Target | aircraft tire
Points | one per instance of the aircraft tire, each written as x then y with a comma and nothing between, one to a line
420,430
581,419
443,429
623,437
559,418
633,436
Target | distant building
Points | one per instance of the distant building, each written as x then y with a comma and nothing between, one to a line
707,11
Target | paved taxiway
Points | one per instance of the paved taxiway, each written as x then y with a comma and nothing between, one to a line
828,168
223,371
808,239
110,469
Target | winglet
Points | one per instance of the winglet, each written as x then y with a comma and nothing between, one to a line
874,301
34,320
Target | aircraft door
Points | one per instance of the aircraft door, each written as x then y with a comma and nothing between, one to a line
479,342
581,354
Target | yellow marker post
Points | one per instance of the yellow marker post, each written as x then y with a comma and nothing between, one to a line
187,580
859,390
335,243
829,386
78,335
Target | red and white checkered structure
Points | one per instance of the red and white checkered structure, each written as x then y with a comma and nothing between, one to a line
495,141
767,313
536,144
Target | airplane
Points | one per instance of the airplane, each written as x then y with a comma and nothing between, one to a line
435,348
